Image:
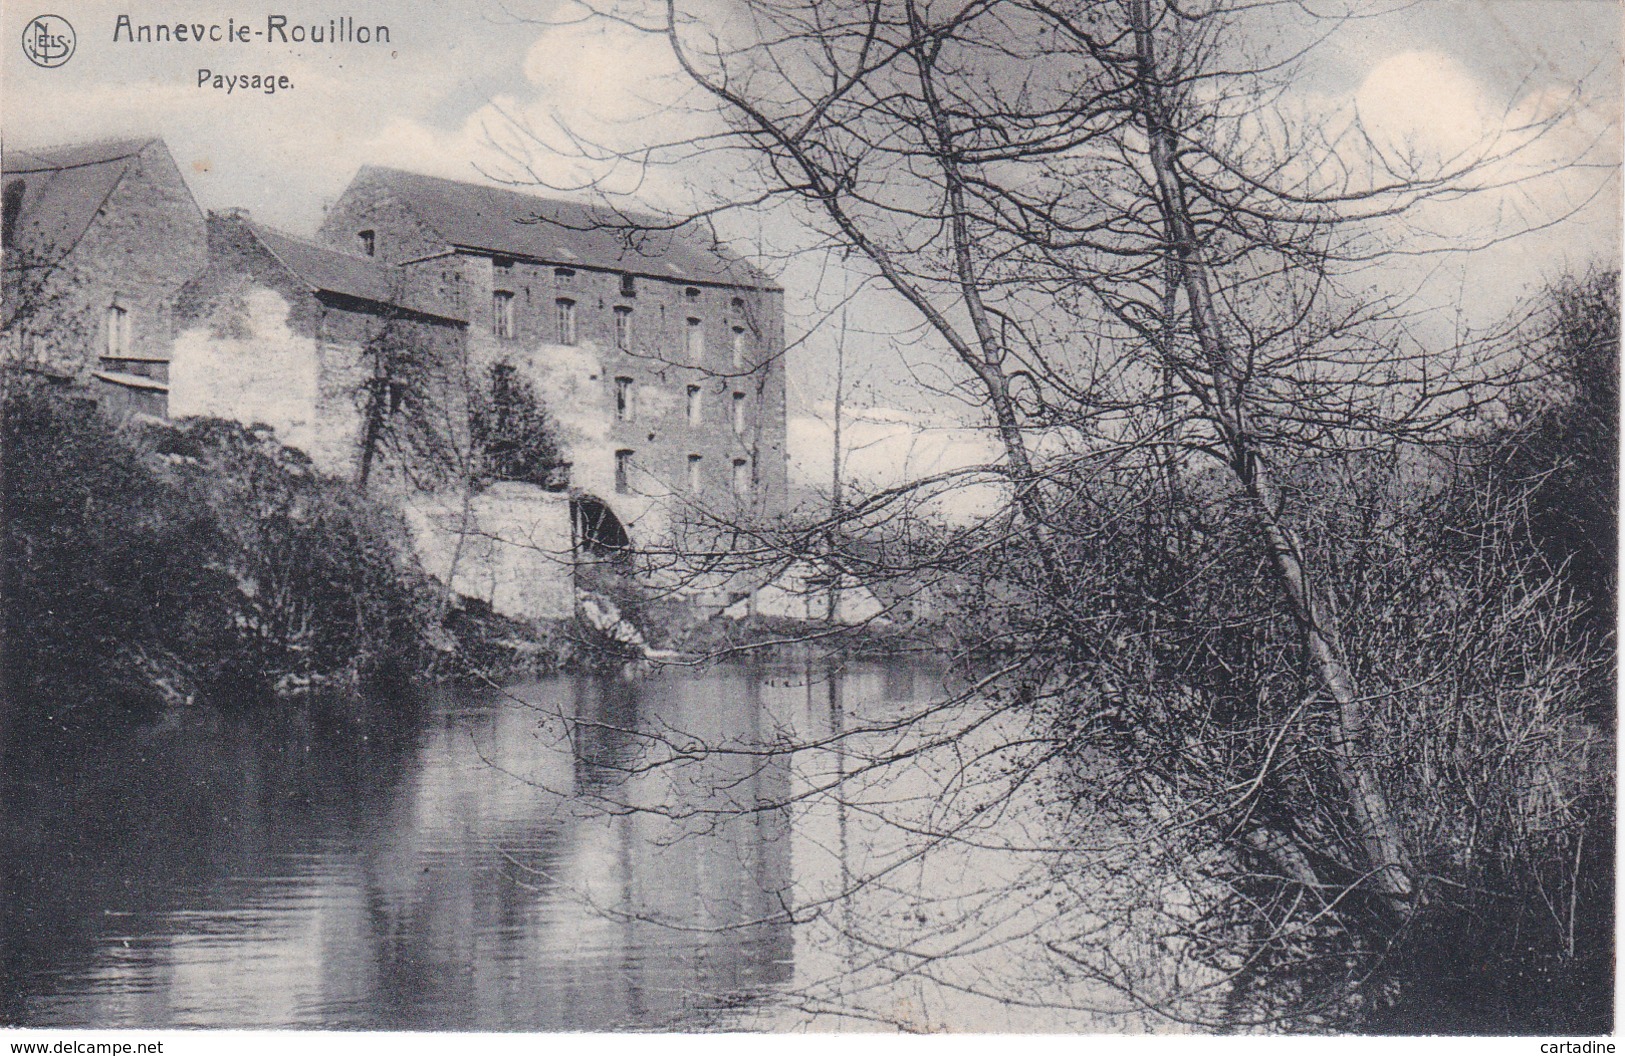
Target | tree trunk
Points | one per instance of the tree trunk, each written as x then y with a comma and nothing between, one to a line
1367,803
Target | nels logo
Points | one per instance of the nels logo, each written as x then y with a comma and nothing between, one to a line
49,41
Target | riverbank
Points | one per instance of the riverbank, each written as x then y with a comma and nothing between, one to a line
155,564
152,563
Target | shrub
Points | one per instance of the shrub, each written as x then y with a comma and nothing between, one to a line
512,433
200,557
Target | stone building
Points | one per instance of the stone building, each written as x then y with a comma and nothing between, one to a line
293,335
660,356
98,240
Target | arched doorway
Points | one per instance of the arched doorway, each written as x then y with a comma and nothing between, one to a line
596,534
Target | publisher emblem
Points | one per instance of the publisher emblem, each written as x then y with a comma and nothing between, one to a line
49,41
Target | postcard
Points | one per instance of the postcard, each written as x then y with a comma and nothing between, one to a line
1038,517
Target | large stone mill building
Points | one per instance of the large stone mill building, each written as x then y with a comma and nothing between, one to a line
659,356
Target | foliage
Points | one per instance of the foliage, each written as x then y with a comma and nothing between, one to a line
105,573
1560,448
201,559
513,435
1186,699
322,586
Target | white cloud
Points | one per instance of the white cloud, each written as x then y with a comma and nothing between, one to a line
886,447
1425,102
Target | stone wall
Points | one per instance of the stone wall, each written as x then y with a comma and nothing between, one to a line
627,388
248,361
576,374
146,241
510,548
367,205
257,345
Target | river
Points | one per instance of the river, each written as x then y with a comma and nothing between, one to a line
627,852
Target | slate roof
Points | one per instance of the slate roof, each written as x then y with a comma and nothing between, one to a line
63,189
329,271
511,223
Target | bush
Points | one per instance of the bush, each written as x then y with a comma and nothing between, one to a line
1180,693
199,558
512,432
105,573
323,585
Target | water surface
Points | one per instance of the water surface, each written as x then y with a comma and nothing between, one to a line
578,853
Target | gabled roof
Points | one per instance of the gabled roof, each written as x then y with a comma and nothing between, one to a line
501,221
329,271
63,187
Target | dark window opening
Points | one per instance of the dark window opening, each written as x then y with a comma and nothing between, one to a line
623,471
369,242
629,285
623,327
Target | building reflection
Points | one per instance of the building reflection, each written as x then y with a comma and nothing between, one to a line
476,862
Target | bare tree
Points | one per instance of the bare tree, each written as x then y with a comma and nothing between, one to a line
1146,276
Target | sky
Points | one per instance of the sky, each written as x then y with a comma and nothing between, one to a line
438,97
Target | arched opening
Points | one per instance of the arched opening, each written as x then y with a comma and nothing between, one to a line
596,532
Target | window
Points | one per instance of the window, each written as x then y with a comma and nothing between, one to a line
118,332
739,346
691,292
369,242
564,278
694,396
502,313
567,321
629,285
738,305
624,409
695,342
623,327
12,211
739,413
695,478
623,471
502,264
741,477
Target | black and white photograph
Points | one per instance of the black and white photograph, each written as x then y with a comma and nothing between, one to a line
1082,518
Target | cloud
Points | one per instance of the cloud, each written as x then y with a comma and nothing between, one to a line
885,447
1532,174
558,94
1425,102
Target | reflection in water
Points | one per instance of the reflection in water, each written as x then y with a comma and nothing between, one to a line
570,854
477,862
